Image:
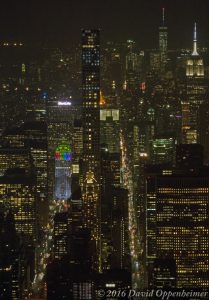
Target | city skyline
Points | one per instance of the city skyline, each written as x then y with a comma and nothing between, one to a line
53,23
104,150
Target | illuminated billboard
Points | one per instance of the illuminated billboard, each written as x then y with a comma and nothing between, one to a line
63,152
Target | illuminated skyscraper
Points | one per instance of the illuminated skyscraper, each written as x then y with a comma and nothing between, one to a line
177,206
195,66
63,157
91,133
60,131
17,195
163,40
163,149
15,158
36,141
33,137
196,94
133,66
110,130
182,226
61,234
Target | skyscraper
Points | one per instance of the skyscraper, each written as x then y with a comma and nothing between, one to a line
177,219
163,149
110,130
31,137
17,195
182,226
196,93
91,133
61,234
133,65
163,40
60,118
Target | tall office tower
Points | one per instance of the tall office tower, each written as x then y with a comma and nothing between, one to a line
139,191
110,130
91,134
18,197
163,149
61,234
60,118
17,194
112,66
63,158
133,64
163,41
120,255
136,143
35,103
32,136
155,61
35,139
15,158
196,95
76,204
106,210
151,128
114,226
177,220
13,137
77,140
110,177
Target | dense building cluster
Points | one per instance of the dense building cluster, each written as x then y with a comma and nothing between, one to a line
104,176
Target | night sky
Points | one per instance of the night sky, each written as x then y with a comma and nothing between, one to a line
59,22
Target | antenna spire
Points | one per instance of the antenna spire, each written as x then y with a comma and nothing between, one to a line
195,40
163,11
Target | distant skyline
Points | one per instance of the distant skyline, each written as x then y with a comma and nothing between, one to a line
60,22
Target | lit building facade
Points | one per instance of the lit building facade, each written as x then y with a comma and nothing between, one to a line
177,204
31,138
17,195
63,158
91,133
15,158
196,94
163,150
35,140
61,234
61,114
133,66
110,130
182,226
110,179
163,41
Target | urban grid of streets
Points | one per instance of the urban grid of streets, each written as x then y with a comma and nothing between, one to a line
133,225
43,255
45,248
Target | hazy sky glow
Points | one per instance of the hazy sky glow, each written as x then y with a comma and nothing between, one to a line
61,21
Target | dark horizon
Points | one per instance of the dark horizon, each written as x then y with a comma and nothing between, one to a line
61,23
